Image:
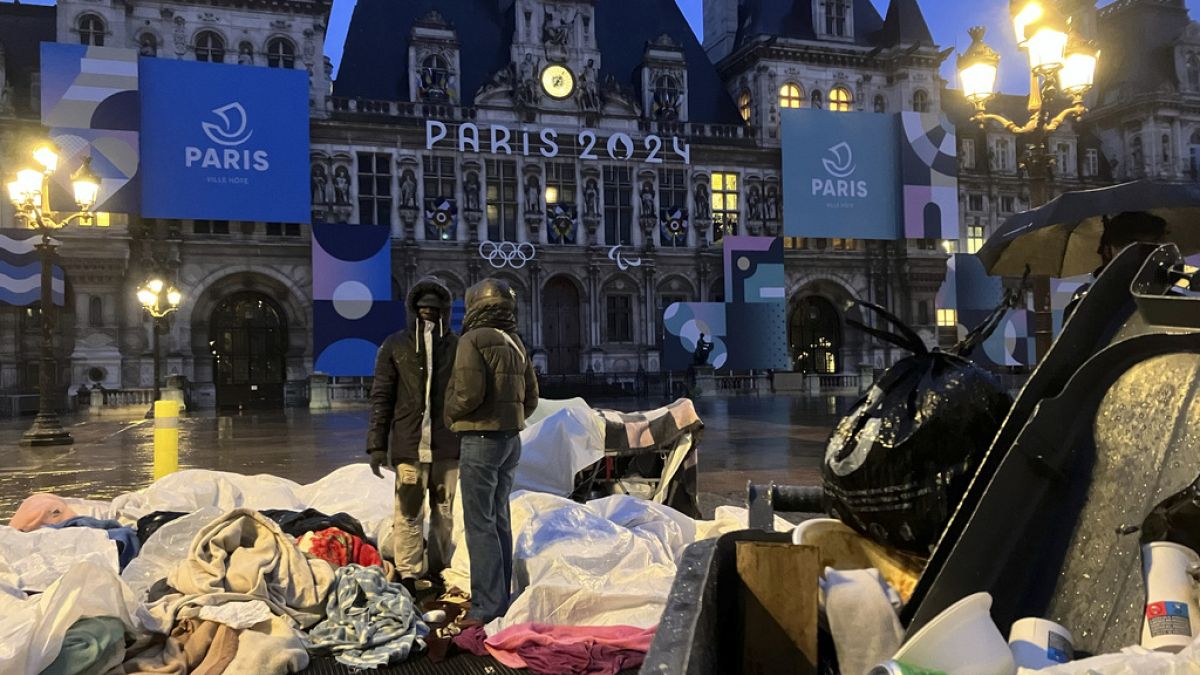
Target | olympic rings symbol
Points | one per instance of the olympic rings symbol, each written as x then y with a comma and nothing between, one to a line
507,254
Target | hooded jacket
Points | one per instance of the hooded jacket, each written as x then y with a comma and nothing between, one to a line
398,392
494,387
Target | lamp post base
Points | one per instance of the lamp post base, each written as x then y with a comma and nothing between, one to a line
46,431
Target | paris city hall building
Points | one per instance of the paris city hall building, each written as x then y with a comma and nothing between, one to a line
593,153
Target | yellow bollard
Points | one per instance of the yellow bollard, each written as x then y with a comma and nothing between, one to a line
166,438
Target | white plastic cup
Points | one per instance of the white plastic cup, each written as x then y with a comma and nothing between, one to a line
962,640
1038,643
1172,617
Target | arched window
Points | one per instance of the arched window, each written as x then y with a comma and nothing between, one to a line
880,103
744,105
281,53
91,30
920,102
1193,71
817,101
667,98
95,311
790,96
210,47
435,79
840,99
148,45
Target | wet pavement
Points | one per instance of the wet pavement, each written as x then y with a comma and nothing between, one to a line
764,439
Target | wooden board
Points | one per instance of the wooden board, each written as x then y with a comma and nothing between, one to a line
777,601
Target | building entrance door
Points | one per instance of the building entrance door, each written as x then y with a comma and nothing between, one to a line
815,336
561,327
249,343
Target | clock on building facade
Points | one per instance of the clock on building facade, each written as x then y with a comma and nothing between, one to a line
558,81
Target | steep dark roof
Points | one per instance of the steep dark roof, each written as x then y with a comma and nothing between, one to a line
793,19
23,28
375,60
1138,40
904,25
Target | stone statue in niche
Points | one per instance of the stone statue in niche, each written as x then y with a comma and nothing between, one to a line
754,202
527,91
320,184
341,186
702,202
408,190
533,195
647,198
245,54
471,191
589,88
556,34
772,203
590,195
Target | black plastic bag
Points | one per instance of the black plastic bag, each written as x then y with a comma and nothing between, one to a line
898,464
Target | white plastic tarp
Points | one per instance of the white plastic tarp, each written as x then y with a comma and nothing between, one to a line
32,561
164,549
557,447
32,630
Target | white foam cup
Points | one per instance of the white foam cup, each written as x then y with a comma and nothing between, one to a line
962,640
1172,617
1038,643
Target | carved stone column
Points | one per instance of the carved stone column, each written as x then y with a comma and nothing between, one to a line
408,219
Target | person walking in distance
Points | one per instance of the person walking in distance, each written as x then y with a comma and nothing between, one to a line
493,390
407,431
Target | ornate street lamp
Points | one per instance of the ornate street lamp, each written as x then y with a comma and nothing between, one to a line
159,300
30,194
1062,68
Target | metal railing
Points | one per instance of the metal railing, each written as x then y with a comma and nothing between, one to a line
737,383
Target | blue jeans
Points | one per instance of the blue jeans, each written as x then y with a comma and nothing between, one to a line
487,465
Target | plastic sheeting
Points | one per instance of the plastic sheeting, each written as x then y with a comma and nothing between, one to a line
1130,661
31,631
557,447
32,561
610,562
164,549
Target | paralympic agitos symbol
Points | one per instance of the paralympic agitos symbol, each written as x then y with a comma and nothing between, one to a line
623,263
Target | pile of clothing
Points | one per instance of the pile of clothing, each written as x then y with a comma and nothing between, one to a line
202,572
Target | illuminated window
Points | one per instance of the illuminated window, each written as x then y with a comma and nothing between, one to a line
950,246
281,53
744,106
210,47
845,244
975,238
790,96
724,204
91,30
840,99
947,318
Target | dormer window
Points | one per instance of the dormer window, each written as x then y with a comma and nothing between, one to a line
668,96
744,105
435,79
834,18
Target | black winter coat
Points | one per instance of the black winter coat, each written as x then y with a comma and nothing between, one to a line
398,392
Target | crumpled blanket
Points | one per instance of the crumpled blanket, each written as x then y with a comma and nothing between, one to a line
93,644
125,538
40,509
339,548
245,553
371,621
571,650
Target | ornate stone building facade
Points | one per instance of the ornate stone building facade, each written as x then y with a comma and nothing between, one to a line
593,153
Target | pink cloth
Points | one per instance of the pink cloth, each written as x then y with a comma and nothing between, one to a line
40,509
571,650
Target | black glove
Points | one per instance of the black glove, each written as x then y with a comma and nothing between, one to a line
378,459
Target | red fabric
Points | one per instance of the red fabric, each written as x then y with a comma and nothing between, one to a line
571,650
339,548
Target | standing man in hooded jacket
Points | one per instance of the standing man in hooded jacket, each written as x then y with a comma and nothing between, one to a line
493,390
407,431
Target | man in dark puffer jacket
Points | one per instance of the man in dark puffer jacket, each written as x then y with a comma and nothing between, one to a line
493,390
407,430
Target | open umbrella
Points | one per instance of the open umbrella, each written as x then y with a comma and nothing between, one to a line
1062,238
